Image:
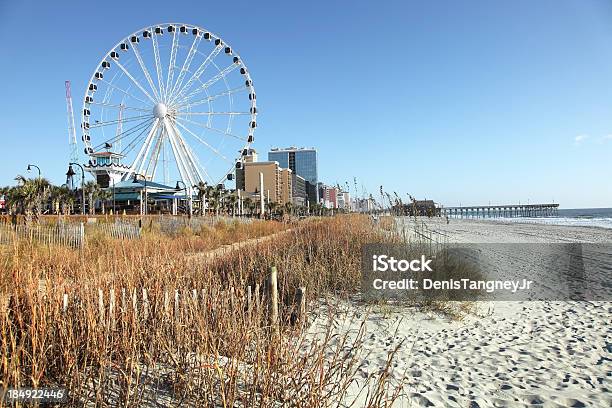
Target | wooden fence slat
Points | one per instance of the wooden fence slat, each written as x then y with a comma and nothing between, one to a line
101,307
273,298
135,303
145,304
176,304
194,298
111,309
301,303
166,303
123,302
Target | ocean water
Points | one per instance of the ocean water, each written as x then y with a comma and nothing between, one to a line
586,217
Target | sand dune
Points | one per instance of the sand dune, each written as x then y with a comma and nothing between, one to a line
511,354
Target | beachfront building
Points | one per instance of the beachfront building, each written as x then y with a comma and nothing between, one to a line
363,205
312,192
127,196
419,208
344,200
300,161
277,182
328,196
286,186
298,190
106,168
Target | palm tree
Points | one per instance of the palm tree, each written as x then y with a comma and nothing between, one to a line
248,204
271,206
289,208
54,196
29,196
104,195
214,197
62,198
202,188
92,190
231,201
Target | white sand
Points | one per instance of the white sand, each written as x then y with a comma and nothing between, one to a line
539,353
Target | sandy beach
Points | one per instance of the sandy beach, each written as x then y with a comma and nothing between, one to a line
506,354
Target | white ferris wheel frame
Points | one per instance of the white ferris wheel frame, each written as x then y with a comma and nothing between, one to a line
174,94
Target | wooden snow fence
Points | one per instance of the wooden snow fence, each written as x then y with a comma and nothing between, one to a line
65,234
116,308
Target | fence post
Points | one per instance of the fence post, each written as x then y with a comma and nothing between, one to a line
301,302
194,297
257,300
135,303
101,306
123,303
166,302
273,298
82,235
145,304
176,304
111,309
249,300
65,306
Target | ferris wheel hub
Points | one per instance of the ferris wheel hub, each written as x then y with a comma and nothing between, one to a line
160,110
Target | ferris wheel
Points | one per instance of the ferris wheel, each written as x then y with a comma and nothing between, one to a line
169,102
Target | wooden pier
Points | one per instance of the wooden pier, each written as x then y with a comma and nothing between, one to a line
502,211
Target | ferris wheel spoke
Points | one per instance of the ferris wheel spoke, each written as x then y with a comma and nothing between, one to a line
143,148
124,91
212,113
196,75
180,156
212,97
146,158
124,134
125,71
213,129
120,106
173,53
198,138
152,166
158,66
98,124
212,81
139,137
145,70
186,65
192,158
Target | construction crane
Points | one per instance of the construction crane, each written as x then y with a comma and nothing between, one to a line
72,142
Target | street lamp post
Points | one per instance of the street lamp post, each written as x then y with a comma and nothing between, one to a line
178,187
37,168
114,209
70,171
143,210
189,205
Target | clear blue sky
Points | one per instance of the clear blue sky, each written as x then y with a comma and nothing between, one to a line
459,101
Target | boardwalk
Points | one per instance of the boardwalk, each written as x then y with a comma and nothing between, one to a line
505,211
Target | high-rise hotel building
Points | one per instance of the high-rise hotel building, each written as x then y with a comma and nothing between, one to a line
302,162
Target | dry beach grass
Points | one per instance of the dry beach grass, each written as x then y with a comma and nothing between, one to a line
146,324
